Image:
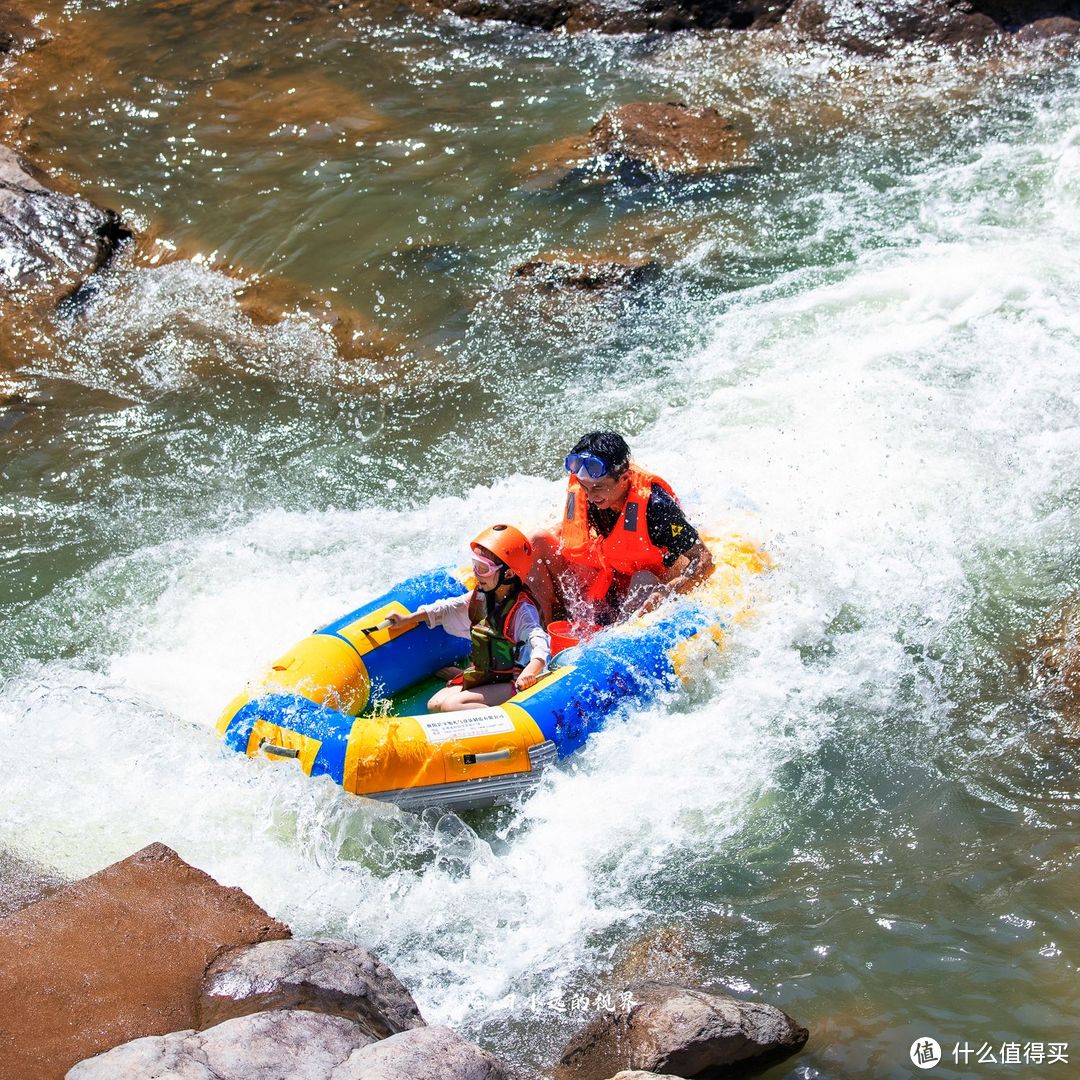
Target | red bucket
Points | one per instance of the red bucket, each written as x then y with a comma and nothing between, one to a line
565,635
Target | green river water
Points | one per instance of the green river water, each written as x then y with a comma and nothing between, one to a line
862,350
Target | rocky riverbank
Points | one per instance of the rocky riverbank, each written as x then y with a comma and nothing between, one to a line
150,967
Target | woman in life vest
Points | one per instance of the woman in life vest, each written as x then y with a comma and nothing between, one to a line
623,545
510,647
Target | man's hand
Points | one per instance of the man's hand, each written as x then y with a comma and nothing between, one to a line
655,599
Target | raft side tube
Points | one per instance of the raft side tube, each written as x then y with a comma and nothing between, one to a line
627,663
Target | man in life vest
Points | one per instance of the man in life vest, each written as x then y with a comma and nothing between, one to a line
509,646
624,544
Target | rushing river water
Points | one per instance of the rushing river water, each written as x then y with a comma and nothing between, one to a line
863,350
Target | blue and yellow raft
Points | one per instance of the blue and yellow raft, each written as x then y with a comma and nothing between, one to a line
340,702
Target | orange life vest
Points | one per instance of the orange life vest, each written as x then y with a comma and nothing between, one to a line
627,548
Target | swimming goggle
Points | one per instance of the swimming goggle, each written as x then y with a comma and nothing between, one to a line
484,566
586,465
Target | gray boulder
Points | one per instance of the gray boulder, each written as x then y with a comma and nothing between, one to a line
49,242
672,1029
281,1045
640,1074
294,1045
427,1053
326,976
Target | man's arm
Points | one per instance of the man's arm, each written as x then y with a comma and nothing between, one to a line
691,569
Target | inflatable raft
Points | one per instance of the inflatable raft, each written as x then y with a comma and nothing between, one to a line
349,701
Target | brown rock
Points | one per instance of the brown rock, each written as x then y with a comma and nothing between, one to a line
669,138
659,139
559,270
1046,29
114,957
672,1029
332,977
877,27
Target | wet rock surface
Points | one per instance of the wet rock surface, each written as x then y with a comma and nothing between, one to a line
648,138
50,242
116,956
876,27
583,272
332,977
673,1029
862,26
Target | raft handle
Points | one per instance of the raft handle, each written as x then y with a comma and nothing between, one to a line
267,747
479,759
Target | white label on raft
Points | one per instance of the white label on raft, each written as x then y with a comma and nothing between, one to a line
465,725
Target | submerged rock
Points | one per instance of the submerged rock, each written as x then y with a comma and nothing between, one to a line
118,955
672,1029
656,139
17,30
332,977
269,300
1054,657
559,270
49,242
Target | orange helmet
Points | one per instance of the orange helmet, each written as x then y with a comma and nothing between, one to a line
510,545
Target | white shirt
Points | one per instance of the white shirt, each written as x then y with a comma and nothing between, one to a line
452,614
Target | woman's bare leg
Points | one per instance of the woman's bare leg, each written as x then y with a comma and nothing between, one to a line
457,698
